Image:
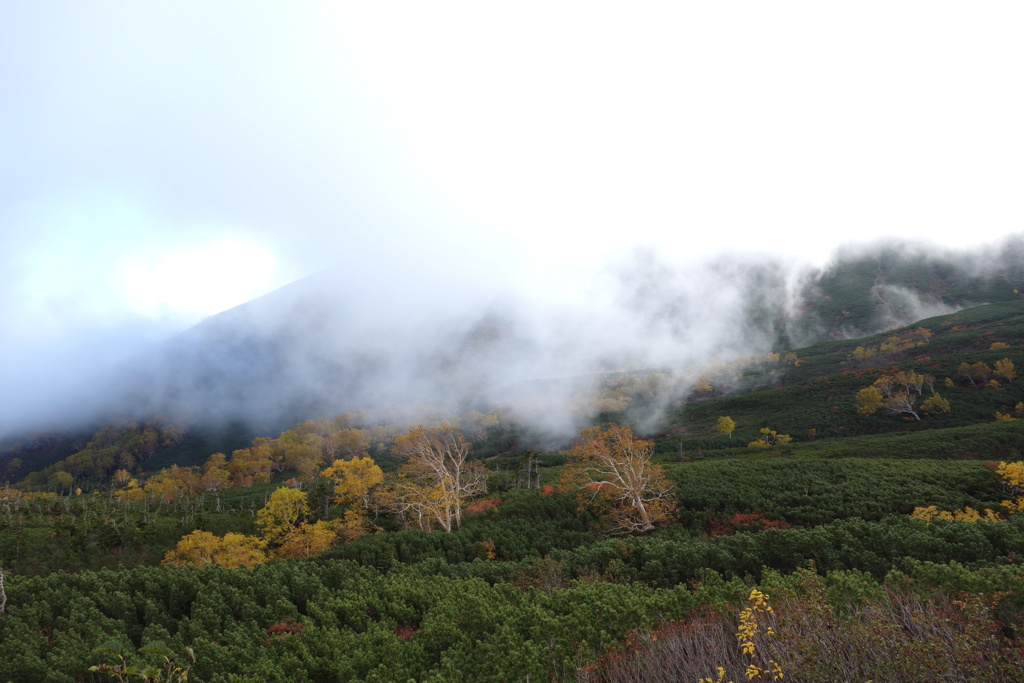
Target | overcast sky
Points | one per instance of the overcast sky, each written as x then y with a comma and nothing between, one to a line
160,162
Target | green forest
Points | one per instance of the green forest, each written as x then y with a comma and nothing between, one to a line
846,511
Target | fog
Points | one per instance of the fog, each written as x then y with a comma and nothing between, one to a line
342,340
524,194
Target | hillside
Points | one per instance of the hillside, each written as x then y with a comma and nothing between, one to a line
318,347
810,395
818,392
325,552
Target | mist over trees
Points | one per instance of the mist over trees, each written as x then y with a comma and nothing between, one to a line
321,346
460,547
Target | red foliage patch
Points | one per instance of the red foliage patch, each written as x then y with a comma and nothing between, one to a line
483,506
744,521
406,632
285,628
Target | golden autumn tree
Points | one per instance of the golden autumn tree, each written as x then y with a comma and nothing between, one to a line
935,404
202,548
1012,474
703,385
354,480
968,514
770,437
250,466
869,400
1016,414
215,473
284,511
285,528
885,385
135,493
302,453
861,354
239,550
437,477
347,441
1012,482
725,426
196,548
911,381
611,466
1004,369
355,483
976,373
307,540
417,506
171,484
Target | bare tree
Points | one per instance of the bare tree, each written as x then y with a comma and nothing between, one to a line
437,474
901,403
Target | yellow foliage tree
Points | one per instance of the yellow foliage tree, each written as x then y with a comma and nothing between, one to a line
239,550
250,466
350,442
416,504
725,426
861,354
910,381
202,548
968,514
869,400
885,384
307,540
769,437
703,385
935,404
282,513
890,346
197,548
437,478
351,526
354,480
131,492
1004,369
976,373
613,466
172,483
215,473
1012,474
301,452
1015,414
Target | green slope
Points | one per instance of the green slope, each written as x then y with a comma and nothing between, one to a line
820,392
